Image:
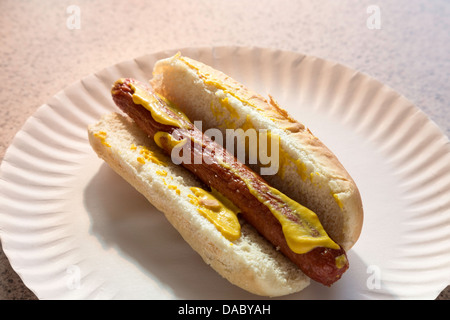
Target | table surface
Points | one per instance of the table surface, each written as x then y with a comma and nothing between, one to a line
44,48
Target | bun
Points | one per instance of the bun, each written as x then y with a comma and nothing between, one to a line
309,172
249,262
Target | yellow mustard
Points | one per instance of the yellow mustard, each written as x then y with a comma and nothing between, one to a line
218,210
216,111
147,155
162,173
341,261
305,236
151,103
102,136
226,104
338,201
169,138
301,236
174,187
284,157
208,79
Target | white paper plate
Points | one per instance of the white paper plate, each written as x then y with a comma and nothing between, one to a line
72,229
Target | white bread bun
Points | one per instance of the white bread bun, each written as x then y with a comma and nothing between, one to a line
249,262
309,172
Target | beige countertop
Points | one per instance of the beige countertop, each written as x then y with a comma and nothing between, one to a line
43,51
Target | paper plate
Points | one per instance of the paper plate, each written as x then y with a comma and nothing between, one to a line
72,229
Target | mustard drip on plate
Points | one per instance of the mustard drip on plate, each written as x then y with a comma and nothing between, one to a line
218,210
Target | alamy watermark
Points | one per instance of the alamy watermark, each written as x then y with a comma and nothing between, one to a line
373,281
73,21
73,277
250,146
373,22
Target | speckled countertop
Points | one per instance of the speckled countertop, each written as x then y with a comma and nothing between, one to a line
41,53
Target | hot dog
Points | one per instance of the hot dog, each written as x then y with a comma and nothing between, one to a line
289,226
322,259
